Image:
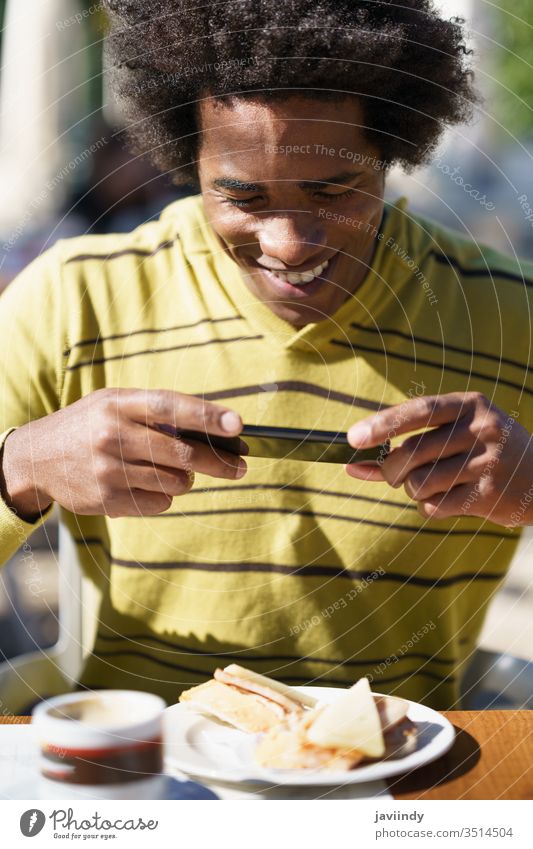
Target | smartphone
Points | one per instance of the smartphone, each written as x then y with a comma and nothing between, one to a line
286,443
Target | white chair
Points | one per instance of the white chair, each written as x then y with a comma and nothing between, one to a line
26,679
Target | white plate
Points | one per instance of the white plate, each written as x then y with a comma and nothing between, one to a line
210,750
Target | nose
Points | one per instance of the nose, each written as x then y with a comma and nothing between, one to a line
292,239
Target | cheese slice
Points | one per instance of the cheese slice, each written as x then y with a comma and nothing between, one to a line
351,722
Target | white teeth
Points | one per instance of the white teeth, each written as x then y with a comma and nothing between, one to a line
300,279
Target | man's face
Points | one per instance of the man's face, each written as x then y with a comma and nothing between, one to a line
278,183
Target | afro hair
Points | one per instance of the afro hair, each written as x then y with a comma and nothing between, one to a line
408,66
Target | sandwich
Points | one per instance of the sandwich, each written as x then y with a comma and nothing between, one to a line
246,700
295,731
356,728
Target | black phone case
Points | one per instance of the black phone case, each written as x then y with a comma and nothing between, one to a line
318,446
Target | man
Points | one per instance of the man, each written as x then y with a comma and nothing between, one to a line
285,293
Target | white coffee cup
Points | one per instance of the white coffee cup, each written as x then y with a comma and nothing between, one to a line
104,744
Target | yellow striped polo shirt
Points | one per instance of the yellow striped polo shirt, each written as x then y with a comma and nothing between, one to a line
297,570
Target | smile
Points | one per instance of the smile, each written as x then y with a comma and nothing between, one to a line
299,279
294,285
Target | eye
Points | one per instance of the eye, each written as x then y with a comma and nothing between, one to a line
332,197
241,203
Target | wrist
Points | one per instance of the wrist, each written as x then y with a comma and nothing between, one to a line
17,485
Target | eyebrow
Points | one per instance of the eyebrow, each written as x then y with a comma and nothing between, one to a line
240,186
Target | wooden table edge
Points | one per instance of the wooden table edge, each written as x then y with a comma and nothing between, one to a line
496,762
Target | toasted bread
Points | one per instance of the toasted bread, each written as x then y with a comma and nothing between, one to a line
245,711
246,700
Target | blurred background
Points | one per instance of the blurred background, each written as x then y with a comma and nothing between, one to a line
64,171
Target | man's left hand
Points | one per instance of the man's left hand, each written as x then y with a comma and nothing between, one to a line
474,460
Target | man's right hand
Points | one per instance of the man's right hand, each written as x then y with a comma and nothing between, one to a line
103,455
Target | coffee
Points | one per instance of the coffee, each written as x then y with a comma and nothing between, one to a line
97,739
102,710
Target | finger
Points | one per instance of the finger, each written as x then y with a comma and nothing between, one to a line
156,479
414,414
429,447
443,476
159,449
444,505
137,502
365,472
181,411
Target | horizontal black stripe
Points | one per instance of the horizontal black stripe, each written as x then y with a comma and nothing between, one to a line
327,493
441,346
443,367
491,273
307,570
129,653
100,360
88,541
295,682
99,339
292,679
334,682
246,656
168,243
296,386
336,517
310,571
